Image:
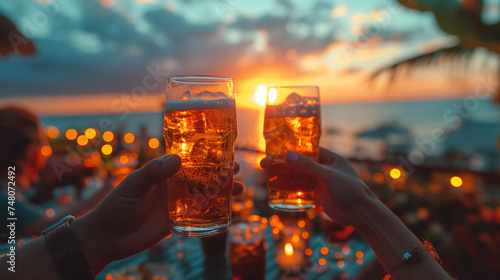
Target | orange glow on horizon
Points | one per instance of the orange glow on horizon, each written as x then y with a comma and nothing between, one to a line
107,3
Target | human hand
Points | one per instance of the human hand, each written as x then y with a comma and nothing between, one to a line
133,217
340,188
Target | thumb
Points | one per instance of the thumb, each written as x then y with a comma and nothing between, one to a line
156,171
306,164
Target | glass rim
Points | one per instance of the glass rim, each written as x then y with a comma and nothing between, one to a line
200,79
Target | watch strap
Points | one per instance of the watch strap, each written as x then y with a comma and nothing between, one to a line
68,256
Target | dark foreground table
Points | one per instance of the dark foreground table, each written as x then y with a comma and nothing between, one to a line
184,257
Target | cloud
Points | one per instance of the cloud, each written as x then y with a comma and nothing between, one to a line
87,47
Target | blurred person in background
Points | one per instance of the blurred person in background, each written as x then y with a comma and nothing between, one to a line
21,140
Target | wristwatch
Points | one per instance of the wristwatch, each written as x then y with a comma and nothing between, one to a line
68,256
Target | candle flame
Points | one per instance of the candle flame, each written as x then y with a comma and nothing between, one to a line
288,249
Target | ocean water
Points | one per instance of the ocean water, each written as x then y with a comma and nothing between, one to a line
341,123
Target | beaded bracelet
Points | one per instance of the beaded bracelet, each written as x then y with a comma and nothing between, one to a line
414,254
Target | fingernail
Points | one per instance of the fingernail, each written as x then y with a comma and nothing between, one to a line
292,156
171,161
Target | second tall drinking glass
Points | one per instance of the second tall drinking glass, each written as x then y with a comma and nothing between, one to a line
292,123
200,127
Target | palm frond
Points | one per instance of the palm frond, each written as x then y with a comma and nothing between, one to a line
458,54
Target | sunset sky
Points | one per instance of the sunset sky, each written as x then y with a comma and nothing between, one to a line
92,53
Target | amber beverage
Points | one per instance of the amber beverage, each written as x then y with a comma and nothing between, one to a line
292,123
247,248
200,127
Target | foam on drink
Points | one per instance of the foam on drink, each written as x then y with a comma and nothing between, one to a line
194,104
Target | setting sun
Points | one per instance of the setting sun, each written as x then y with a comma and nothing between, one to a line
273,94
260,95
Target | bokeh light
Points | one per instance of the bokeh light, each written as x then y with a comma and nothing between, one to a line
359,254
90,133
106,149
153,143
456,181
50,212
46,151
52,132
129,138
82,140
395,173
124,159
324,250
108,136
71,134
321,261
378,177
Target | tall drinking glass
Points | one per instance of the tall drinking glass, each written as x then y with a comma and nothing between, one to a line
292,123
247,248
200,127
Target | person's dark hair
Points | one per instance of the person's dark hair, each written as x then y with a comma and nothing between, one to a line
18,130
